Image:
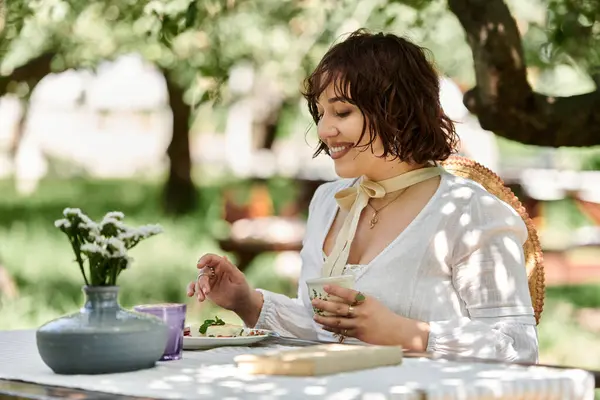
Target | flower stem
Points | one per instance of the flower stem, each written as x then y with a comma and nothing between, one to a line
75,244
93,263
113,272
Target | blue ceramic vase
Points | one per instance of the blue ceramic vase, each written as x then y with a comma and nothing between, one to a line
102,337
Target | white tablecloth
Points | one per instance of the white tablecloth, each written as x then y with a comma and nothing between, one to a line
212,374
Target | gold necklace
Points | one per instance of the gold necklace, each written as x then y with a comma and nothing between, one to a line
375,216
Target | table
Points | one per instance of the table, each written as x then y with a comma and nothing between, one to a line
211,374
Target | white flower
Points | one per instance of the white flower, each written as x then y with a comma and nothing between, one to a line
149,230
101,240
71,212
91,228
143,232
115,215
94,248
112,221
116,248
77,213
107,242
129,234
62,223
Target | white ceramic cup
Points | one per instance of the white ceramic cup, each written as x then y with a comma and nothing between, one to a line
315,289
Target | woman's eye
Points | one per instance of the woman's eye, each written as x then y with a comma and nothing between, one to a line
342,114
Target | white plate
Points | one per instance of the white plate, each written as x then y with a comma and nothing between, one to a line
203,343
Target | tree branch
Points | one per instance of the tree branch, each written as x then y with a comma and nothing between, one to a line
32,72
503,100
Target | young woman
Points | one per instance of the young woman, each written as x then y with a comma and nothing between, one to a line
437,260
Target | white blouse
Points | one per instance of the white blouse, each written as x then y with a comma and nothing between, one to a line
459,266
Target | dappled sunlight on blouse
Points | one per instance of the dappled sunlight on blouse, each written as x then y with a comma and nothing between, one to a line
459,266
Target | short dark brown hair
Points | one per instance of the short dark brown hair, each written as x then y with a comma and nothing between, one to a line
397,90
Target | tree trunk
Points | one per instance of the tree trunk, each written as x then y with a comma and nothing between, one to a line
266,130
19,130
180,195
31,73
503,100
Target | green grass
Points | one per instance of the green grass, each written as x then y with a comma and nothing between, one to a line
39,258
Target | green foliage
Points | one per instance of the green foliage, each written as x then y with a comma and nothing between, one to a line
562,32
591,161
12,17
581,296
199,41
574,31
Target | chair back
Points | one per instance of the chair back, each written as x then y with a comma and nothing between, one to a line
467,168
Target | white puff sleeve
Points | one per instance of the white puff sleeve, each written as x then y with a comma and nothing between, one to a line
488,272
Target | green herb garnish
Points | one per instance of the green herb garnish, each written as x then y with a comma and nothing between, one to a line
210,322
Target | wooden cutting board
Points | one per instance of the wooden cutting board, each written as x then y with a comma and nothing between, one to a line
319,360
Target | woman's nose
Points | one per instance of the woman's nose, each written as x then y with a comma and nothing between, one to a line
326,130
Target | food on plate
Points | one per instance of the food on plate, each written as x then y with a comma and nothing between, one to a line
217,328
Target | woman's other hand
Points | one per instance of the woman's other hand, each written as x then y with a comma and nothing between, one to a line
367,320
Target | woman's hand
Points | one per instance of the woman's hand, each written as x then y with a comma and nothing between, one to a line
224,284
368,320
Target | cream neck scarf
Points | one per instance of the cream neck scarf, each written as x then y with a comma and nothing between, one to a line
354,199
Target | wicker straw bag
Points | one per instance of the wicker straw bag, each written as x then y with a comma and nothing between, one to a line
467,168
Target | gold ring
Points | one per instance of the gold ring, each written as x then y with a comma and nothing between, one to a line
202,273
350,311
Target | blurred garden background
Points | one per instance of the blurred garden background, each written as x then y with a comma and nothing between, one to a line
187,113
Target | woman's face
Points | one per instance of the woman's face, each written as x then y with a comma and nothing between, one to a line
340,127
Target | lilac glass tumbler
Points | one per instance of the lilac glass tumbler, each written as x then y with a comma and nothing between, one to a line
174,316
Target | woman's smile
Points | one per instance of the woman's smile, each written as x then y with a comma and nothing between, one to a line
338,151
